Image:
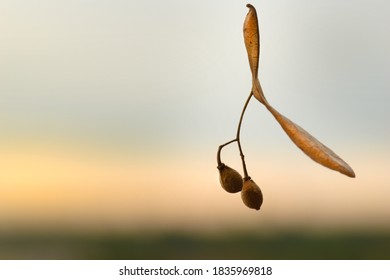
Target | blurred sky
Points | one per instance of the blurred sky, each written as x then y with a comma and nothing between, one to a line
111,113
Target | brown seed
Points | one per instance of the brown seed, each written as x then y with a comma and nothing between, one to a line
251,194
230,179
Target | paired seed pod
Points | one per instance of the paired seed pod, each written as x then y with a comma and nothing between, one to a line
231,181
251,194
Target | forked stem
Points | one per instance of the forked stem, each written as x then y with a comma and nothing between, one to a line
237,139
220,164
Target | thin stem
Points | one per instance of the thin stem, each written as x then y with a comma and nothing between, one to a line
220,164
237,139
246,176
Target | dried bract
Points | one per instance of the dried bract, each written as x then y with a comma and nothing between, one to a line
252,40
306,142
311,146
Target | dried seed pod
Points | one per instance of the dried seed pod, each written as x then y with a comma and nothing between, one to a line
230,179
251,194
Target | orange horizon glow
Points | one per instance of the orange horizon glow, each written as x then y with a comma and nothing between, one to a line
48,187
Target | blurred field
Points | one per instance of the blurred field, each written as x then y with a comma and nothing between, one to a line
288,246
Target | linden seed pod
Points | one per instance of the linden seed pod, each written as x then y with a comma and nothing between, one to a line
251,194
230,179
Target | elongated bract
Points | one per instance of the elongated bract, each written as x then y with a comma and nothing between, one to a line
252,40
304,140
311,146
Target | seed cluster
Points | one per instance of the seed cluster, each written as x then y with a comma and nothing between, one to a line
232,182
230,179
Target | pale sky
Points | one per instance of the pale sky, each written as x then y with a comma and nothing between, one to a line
111,113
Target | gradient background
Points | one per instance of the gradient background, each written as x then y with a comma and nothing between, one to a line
111,113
